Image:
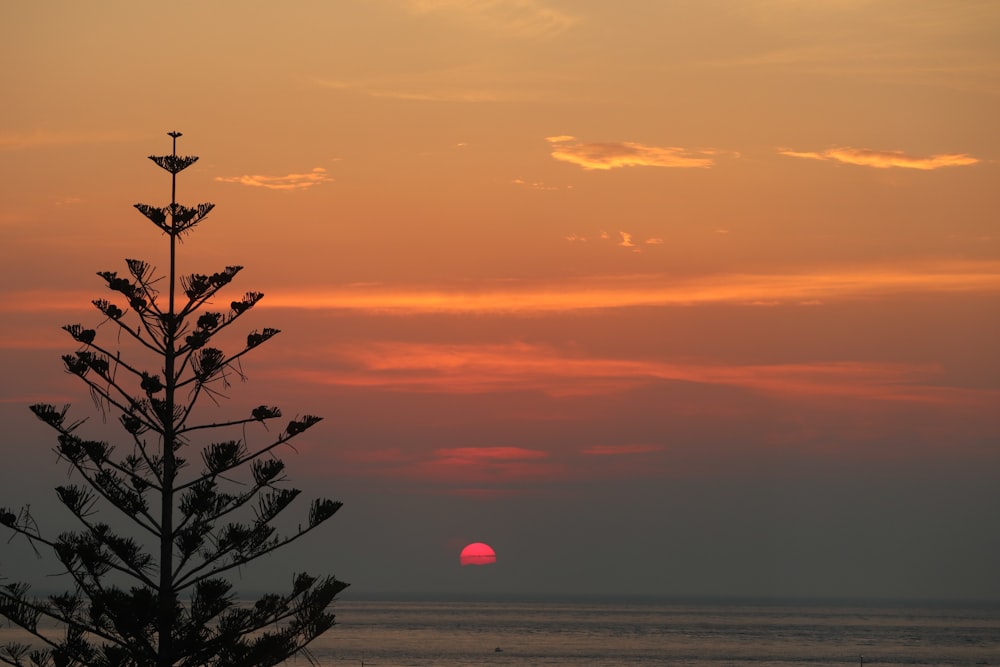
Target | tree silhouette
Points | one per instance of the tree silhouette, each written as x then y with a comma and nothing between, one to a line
155,593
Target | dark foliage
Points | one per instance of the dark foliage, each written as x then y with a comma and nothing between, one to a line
158,596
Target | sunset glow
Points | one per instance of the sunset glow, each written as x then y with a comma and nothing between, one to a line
700,287
611,292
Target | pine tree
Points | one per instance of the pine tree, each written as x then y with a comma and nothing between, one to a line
156,594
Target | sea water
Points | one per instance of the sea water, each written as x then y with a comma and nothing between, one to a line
474,633
644,633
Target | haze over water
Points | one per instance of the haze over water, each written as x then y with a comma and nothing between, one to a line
692,634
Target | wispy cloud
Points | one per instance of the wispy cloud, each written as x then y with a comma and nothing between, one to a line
39,300
625,240
481,455
885,43
539,185
288,182
658,290
611,155
48,138
421,89
512,18
621,450
885,159
468,83
458,467
606,292
485,368
488,465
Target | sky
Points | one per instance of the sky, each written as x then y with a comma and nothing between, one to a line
654,297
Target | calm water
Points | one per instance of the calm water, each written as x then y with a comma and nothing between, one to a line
605,634
466,634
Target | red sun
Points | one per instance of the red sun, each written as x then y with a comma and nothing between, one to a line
478,553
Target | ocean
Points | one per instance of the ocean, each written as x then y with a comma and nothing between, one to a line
382,633
477,633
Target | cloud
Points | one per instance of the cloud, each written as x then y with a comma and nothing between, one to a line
539,185
603,292
466,83
619,450
480,455
36,340
531,19
626,240
883,43
646,290
453,469
485,464
10,141
38,300
885,159
611,155
504,367
288,182
427,90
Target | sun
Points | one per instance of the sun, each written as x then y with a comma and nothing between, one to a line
478,553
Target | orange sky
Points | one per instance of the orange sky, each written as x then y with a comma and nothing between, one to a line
695,264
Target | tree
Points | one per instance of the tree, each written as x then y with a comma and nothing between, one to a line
156,594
